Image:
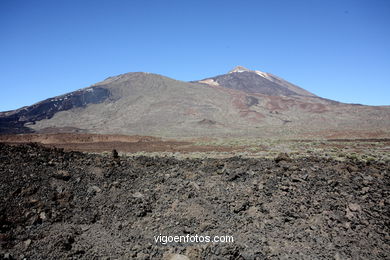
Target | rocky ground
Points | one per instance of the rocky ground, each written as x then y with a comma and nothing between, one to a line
73,205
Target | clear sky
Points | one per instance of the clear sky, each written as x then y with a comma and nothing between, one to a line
334,48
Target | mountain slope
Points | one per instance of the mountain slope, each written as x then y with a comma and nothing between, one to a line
249,81
239,103
15,121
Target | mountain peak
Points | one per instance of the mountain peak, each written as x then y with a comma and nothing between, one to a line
239,69
235,104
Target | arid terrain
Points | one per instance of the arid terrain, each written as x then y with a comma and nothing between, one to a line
241,103
279,200
101,172
363,148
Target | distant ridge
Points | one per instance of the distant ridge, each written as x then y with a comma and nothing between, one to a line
242,102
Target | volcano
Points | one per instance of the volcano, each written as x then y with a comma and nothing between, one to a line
242,102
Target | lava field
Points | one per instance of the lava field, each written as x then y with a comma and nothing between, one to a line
73,205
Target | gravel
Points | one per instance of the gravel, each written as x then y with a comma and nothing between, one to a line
73,205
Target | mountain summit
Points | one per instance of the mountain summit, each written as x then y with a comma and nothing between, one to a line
239,69
255,81
242,102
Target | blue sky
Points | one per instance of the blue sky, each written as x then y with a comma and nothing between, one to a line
335,49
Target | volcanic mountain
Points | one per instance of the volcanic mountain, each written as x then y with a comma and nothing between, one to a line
242,102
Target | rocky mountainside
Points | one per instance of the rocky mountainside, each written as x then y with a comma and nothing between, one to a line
249,81
240,103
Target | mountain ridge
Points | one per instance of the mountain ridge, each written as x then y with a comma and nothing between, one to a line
259,78
242,102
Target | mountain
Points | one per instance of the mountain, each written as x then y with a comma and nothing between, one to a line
241,102
249,81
